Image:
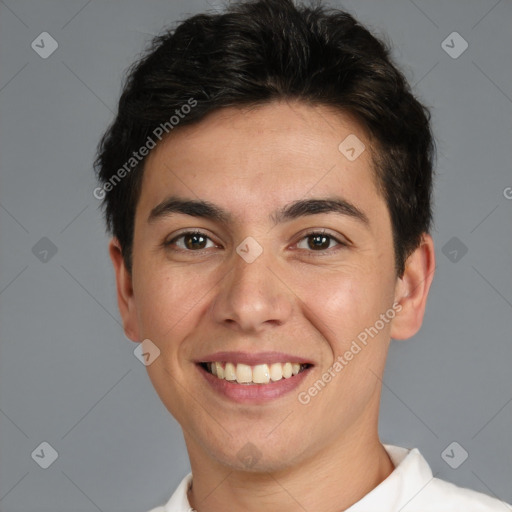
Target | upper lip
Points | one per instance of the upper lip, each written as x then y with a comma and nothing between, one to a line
253,359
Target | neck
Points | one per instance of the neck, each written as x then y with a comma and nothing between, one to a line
331,481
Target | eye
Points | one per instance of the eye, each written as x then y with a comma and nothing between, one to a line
320,242
190,241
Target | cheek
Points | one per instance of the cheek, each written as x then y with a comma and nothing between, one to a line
165,302
344,299
346,303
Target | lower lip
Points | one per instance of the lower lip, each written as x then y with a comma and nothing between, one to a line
253,393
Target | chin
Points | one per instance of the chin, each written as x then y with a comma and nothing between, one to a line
258,455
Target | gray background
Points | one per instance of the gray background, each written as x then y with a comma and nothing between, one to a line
68,375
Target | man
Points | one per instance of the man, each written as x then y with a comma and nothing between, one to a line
267,182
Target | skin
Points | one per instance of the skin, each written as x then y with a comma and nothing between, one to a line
325,455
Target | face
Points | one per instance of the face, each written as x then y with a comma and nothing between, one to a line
283,253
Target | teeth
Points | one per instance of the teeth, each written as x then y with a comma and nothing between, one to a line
276,371
243,373
261,374
219,371
258,374
229,371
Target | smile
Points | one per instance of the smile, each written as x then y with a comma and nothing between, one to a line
256,374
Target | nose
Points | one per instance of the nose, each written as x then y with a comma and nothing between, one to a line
252,297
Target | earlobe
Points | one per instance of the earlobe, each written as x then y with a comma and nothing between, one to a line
125,297
412,290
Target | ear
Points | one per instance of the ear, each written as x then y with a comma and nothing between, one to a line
412,290
125,298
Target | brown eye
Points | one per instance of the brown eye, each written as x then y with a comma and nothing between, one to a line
190,241
320,242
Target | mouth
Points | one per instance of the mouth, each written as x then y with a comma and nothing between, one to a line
258,374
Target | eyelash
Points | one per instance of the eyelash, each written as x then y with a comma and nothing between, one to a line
306,235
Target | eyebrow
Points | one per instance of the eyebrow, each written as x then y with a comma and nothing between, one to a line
300,208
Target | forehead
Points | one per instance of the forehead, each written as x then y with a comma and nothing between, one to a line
253,160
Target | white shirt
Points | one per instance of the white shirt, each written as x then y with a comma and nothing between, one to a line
411,487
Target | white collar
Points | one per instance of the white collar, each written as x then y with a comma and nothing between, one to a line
411,474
